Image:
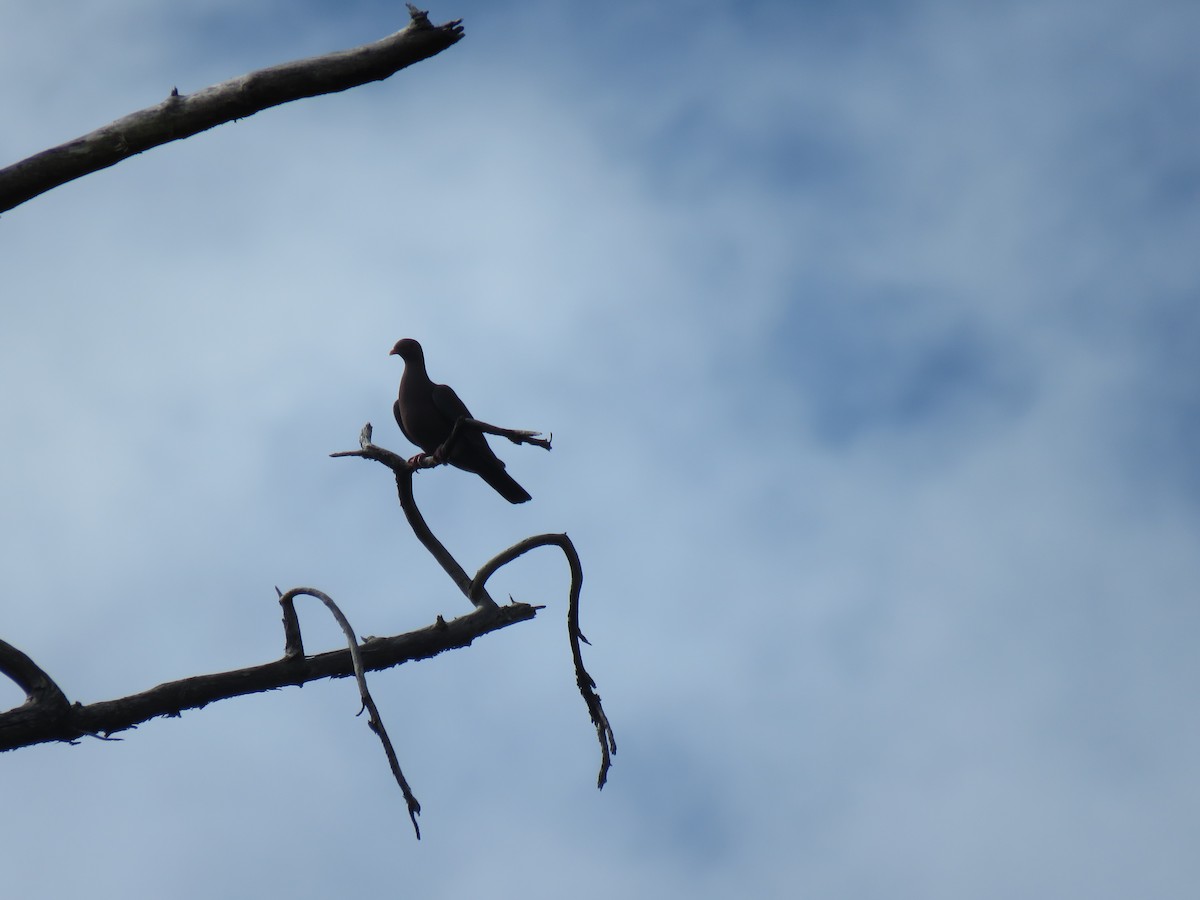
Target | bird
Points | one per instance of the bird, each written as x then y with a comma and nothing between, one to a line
426,413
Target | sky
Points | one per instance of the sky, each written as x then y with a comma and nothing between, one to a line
867,336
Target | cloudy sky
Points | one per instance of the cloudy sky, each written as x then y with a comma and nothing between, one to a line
867,334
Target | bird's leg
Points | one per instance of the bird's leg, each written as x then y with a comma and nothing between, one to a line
421,460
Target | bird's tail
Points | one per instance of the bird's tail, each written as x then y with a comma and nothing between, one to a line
505,485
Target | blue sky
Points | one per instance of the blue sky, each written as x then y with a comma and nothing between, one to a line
867,335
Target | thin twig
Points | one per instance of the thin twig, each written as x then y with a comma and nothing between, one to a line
375,721
516,435
587,686
404,472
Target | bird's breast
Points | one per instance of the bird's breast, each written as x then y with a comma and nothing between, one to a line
421,421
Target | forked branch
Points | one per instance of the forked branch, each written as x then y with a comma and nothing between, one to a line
403,471
48,716
475,588
43,697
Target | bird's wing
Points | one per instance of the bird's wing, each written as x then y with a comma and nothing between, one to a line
447,403
471,450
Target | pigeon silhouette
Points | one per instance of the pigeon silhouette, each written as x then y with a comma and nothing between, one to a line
426,413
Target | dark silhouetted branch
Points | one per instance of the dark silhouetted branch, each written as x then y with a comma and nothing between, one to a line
475,588
587,686
47,715
43,698
404,471
516,435
35,724
374,720
183,115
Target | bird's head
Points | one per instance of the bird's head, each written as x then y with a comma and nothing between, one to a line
407,349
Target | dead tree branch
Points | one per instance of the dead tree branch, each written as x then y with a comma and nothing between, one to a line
475,588
47,715
374,720
516,435
43,698
51,720
404,472
183,115
587,687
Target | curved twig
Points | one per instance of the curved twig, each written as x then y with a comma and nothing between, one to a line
43,696
183,115
374,720
585,682
404,472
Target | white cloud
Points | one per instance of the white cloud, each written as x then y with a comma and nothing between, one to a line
943,647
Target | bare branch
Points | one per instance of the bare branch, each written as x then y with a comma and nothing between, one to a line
516,435
404,472
475,588
25,725
183,115
587,686
374,721
43,697
293,641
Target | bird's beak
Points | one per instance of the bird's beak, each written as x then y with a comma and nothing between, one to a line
393,352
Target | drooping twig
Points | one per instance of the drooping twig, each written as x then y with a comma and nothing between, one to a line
587,686
374,720
183,115
61,721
